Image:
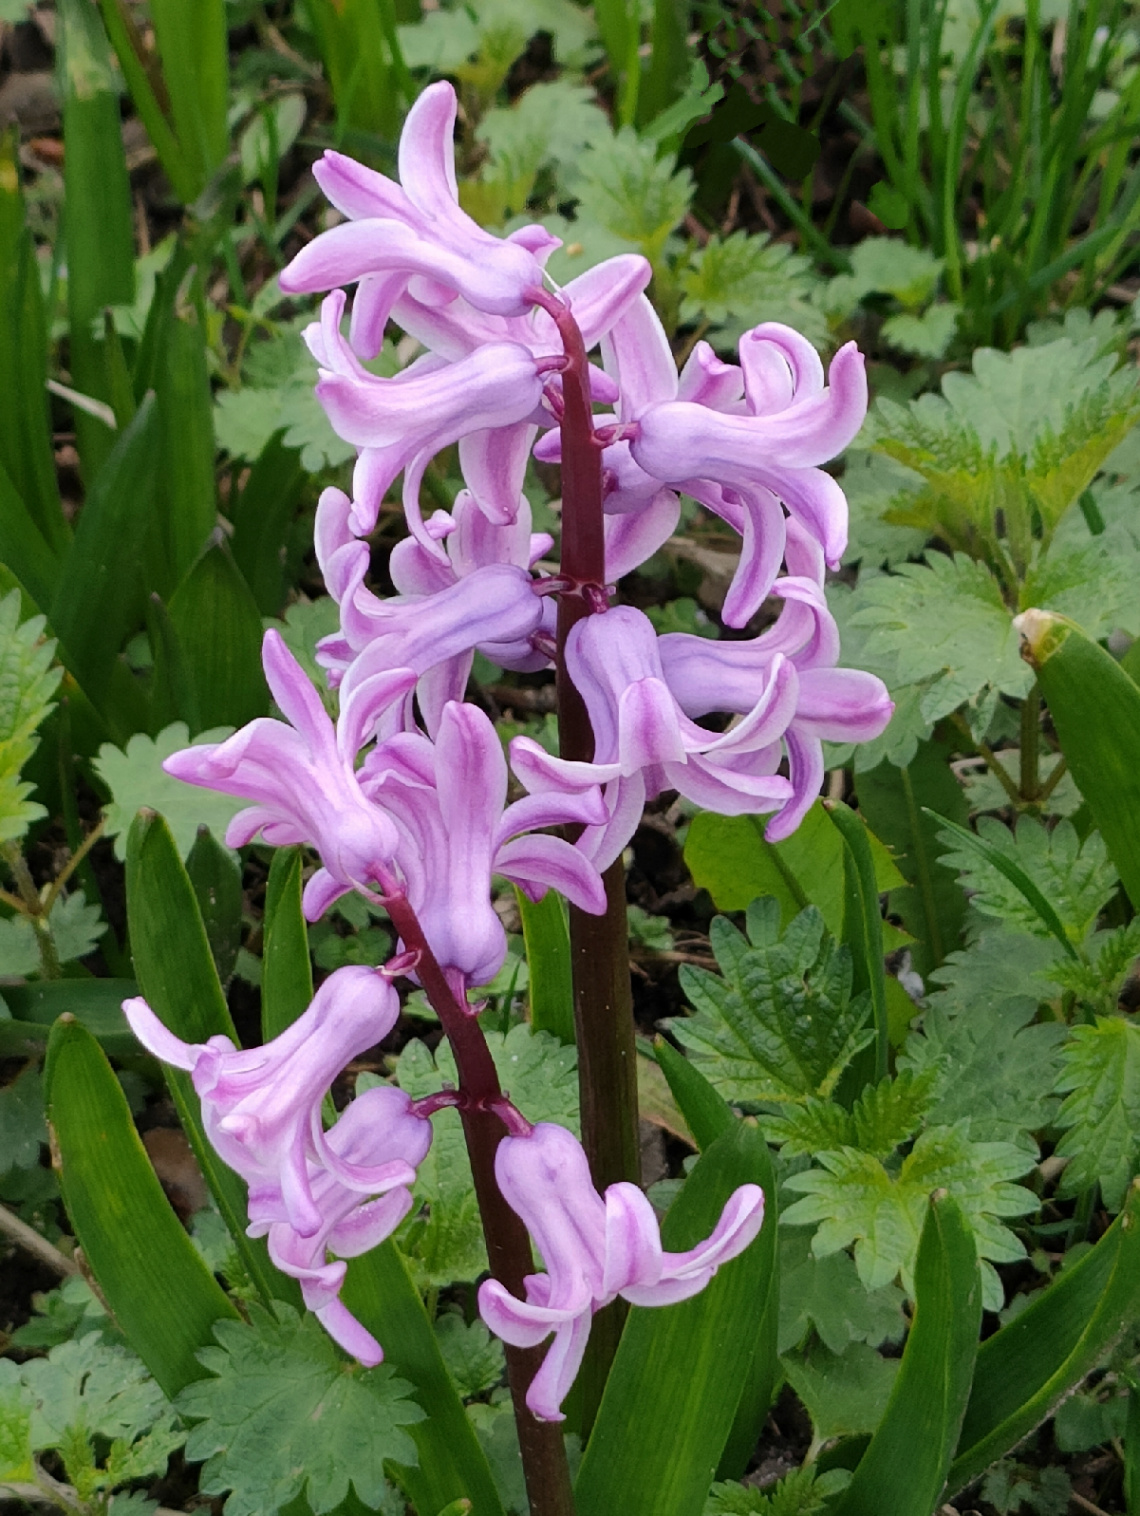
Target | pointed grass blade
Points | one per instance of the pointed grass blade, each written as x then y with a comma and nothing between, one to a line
1095,708
193,46
179,982
215,874
924,1414
863,924
218,627
551,985
148,91
1027,1368
682,1366
159,1289
261,518
286,968
379,1291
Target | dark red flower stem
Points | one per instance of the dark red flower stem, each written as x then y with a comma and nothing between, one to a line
599,945
547,1473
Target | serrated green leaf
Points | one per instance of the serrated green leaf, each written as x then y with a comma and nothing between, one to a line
1092,582
28,683
15,1426
884,266
856,1199
928,335
304,624
106,1390
827,1295
136,780
1101,1073
75,928
781,1024
474,1358
550,124
752,279
845,1394
284,1415
874,484
278,397
540,1075
624,186
1076,878
801,1493
1100,982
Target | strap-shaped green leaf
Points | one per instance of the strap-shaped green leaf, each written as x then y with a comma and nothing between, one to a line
215,875
1026,1369
286,969
1095,708
193,46
145,83
551,983
261,515
863,924
683,1366
186,498
903,1469
179,982
161,1292
452,1464
707,1112
219,632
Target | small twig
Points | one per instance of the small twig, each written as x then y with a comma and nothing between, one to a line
1087,1505
49,1491
14,901
39,1247
72,864
1058,773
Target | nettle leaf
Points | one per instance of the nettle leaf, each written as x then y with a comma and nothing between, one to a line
745,280
845,1394
874,484
990,1063
285,1415
926,336
1077,879
1012,1488
623,186
781,1025
91,1385
474,1358
885,1116
550,124
827,1294
856,1199
941,625
16,1463
1099,983
1093,583
136,778
28,683
445,1241
801,1493
1101,1073
884,266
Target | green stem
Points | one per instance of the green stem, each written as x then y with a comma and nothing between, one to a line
1030,745
33,908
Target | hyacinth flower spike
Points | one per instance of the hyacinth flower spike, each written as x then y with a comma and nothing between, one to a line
261,1107
303,787
379,1127
415,230
593,1249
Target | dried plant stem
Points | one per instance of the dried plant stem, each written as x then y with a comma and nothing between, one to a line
34,1244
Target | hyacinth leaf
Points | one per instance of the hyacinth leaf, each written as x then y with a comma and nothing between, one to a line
1095,708
179,982
286,969
1012,870
919,1430
23,550
186,496
683,1366
138,70
100,596
25,444
216,877
708,1114
379,1292
137,1248
1027,1368
100,222
261,517
551,985
194,48
863,925
218,626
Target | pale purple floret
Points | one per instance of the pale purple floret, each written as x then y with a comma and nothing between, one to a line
261,1107
414,231
378,1127
644,742
402,422
448,800
301,780
593,1249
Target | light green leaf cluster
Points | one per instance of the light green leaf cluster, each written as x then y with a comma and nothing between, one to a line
885,1116
738,281
781,1025
81,1391
447,37
445,1240
474,1358
926,336
28,683
1077,878
845,1394
827,1295
75,929
801,1493
884,266
548,126
1111,956
856,1199
1101,1073
1013,1488
872,483
284,1415
135,778
623,186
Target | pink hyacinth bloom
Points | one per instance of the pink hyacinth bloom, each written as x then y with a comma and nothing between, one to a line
261,1107
379,1127
415,230
448,799
645,743
402,422
593,1249
301,782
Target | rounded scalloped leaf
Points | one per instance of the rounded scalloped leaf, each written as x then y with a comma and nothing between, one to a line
136,779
